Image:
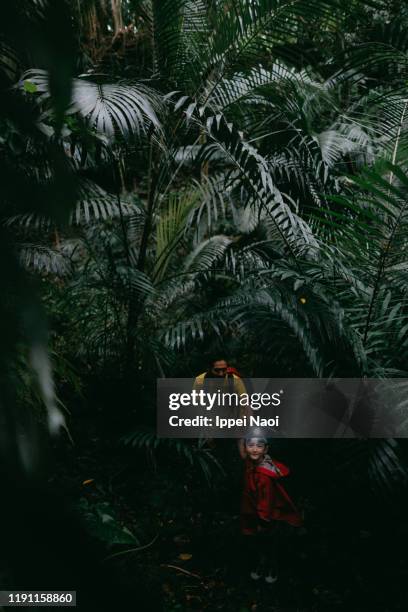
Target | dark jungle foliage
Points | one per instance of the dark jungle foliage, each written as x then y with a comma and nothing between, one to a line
182,178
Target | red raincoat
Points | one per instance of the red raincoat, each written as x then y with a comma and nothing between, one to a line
264,498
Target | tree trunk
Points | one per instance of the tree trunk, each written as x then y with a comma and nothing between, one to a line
117,16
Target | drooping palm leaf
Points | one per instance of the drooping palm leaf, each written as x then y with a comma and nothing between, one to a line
109,109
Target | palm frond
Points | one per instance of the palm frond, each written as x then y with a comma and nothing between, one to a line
94,203
110,109
206,254
170,229
43,259
196,454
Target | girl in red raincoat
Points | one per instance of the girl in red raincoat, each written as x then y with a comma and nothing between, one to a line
265,506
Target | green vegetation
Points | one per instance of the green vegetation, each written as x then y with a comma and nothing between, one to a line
188,177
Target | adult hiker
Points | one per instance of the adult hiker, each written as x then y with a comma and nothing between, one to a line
220,376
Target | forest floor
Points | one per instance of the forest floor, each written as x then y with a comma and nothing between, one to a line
191,555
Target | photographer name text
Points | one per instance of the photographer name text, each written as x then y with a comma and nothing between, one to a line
223,422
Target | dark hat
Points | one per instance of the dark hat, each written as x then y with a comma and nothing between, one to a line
256,434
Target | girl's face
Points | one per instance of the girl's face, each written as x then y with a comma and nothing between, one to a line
255,449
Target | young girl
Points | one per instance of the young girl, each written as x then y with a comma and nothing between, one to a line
265,505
